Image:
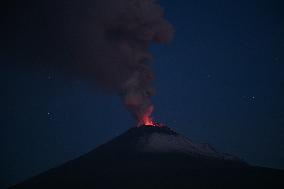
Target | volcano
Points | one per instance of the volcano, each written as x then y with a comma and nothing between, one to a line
155,157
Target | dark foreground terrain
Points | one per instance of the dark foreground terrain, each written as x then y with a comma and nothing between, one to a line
152,157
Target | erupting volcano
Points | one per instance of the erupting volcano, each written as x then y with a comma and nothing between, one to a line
106,44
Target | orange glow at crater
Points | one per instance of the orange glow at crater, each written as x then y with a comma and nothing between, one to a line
146,120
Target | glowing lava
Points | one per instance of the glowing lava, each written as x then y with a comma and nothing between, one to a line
148,122
146,119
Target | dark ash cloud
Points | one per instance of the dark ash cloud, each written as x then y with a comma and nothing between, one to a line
101,41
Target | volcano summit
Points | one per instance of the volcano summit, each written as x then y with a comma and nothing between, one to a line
155,157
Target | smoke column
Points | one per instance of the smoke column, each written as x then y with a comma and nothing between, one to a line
101,41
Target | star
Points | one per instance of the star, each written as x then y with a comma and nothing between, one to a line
50,116
49,77
249,98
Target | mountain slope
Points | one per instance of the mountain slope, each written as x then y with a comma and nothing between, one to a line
154,157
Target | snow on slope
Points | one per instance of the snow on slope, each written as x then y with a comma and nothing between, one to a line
164,142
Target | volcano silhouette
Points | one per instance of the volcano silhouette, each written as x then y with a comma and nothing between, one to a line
155,157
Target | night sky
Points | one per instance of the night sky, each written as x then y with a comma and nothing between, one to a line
220,81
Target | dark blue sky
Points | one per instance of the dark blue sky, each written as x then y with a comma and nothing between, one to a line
220,81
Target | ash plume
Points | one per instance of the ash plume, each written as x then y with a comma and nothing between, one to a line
101,41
